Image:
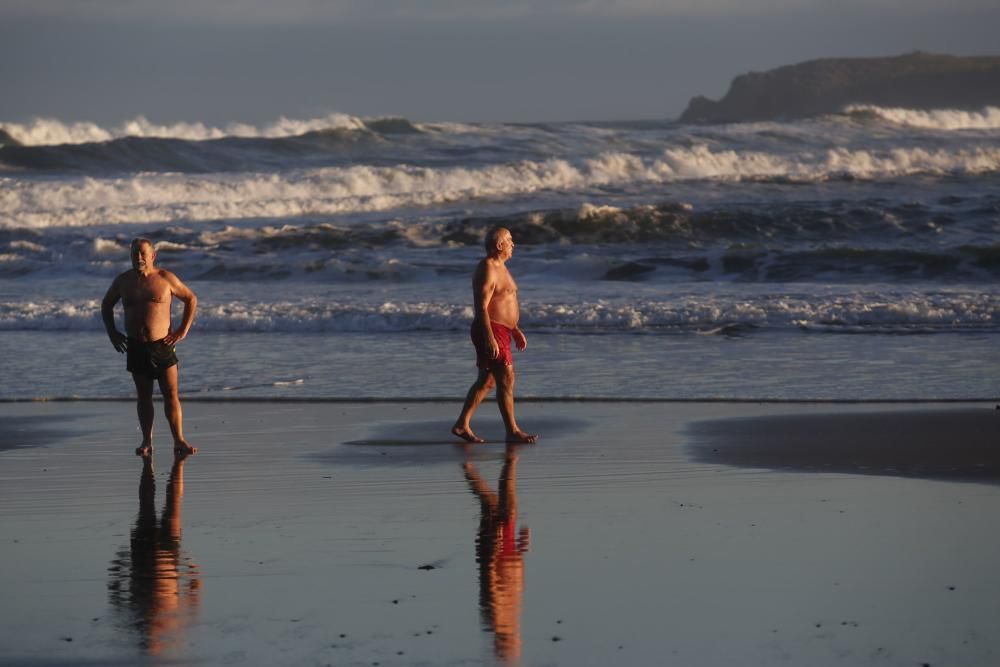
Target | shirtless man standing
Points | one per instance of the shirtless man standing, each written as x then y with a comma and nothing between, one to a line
496,315
148,343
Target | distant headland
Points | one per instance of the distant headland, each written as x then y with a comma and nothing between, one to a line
817,87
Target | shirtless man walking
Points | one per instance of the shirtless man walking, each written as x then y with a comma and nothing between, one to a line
148,343
495,325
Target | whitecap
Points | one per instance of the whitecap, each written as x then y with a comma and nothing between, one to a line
932,119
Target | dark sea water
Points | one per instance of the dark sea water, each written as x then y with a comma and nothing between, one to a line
854,256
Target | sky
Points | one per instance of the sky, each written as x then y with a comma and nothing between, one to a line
253,61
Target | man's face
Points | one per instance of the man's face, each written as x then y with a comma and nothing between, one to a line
142,257
506,244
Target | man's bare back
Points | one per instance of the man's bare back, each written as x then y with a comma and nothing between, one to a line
146,293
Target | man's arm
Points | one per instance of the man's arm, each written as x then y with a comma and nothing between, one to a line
484,284
519,338
184,293
111,298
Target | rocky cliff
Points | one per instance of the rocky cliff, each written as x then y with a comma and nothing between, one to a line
915,81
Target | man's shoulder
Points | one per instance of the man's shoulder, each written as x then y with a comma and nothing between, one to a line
167,274
174,282
487,266
490,263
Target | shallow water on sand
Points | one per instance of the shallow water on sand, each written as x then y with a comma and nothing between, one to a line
353,534
775,366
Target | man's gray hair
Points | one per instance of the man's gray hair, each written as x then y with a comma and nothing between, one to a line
490,242
140,241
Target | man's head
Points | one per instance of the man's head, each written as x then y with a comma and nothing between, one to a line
143,254
499,243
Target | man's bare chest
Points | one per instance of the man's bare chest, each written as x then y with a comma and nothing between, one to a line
506,286
145,291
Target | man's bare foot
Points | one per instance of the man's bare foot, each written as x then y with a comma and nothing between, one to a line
144,450
465,434
182,448
520,437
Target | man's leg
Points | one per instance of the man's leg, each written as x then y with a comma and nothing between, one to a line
172,407
504,376
477,392
144,410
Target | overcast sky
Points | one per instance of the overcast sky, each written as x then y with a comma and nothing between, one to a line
220,61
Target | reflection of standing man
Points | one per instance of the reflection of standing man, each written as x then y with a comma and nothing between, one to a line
500,549
494,326
146,292
157,587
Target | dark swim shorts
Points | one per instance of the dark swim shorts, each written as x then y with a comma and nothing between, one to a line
149,359
484,358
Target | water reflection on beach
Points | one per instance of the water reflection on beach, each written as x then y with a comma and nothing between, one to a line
153,585
500,549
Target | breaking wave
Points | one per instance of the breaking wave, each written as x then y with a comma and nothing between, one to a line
167,198
51,132
952,240
933,119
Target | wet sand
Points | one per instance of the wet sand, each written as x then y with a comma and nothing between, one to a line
354,534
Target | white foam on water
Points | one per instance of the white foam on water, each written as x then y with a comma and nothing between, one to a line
49,131
165,198
110,248
849,312
27,246
933,119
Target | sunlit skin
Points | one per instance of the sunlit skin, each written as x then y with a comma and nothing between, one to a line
146,292
163,590
495,300
500,555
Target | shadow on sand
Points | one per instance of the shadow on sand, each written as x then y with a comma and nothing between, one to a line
22,432
406,443
958,445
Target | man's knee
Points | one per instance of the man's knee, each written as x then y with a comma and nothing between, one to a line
484,380
504,376
143,388
169,385
170,394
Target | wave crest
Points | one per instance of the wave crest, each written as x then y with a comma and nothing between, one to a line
933,119
166,198
49,131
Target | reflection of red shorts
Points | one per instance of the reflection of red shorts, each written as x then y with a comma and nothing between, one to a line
484,358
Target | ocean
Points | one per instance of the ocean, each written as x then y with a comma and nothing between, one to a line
854,256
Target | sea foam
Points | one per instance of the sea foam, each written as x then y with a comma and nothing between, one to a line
164,198
48,131
933,119
844,312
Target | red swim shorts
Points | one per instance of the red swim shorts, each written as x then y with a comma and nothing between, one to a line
484,358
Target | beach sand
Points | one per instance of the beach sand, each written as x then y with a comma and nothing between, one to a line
639,534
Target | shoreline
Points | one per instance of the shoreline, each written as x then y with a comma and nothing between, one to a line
520,399
440,367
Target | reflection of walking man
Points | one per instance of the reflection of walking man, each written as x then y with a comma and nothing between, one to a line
494,326
153,583
500,549
146,292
